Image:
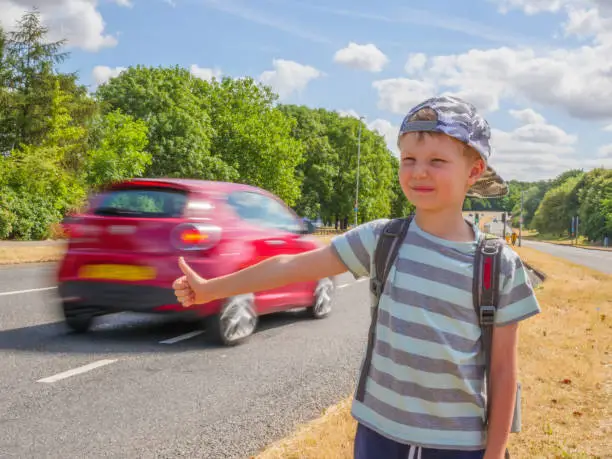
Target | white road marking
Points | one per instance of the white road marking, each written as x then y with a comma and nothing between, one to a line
77,371
176,339
19,292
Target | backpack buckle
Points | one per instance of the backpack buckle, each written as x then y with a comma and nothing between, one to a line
487,315
490,248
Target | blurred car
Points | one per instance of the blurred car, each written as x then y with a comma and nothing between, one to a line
123,253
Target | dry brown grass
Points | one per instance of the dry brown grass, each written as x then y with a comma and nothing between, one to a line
565,369
13,254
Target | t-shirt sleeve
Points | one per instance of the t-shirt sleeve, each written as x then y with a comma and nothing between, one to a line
517,299
355,248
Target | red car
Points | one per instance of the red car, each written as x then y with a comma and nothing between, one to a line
123,251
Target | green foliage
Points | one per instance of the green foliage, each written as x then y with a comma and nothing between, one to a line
557,207
253,137
595,197
118,144
177,117
576,193
25,216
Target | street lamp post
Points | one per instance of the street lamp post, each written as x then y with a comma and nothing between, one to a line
358,160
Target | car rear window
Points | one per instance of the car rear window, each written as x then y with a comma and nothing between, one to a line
142,202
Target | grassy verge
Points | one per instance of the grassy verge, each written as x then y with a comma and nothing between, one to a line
14,254
565,368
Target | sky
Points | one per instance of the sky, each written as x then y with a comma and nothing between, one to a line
540,71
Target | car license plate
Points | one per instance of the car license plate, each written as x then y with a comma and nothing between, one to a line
117,272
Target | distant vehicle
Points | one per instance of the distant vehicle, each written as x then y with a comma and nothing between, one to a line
123,252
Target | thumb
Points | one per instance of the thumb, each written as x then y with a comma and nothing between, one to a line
187,270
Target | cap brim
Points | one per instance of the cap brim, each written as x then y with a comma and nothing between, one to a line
490,185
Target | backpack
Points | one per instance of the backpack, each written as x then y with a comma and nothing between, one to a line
485,291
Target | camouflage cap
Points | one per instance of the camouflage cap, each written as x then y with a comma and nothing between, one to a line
460,119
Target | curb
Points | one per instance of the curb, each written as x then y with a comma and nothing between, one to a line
537,272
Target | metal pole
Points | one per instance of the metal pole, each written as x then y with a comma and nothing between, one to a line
521,221
358,160
577,222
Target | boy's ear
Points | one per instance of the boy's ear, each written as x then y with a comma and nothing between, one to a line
478,168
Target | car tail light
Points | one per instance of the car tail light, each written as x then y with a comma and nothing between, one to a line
195,236
78,231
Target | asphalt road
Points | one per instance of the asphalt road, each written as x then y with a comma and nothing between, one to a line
143,398
596,259
136,396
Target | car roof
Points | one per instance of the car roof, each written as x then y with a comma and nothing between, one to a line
191,184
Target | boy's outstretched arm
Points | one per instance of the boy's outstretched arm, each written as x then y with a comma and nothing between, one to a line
274,272
503,389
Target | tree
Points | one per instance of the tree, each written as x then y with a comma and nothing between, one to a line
252,136
558,206
400,206
595,197
118,149
170,102
320,166
29,64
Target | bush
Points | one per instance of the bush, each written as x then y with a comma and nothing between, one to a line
25,216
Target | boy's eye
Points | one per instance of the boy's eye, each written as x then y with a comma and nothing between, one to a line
439,160
407,159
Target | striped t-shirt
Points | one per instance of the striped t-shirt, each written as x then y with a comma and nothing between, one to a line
425,384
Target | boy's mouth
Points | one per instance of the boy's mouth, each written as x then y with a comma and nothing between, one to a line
423,189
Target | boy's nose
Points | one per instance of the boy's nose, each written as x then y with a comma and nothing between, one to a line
419,170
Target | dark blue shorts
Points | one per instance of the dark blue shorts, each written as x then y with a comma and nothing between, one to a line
370,445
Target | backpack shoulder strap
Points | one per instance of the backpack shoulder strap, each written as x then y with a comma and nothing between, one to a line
386,251
485,290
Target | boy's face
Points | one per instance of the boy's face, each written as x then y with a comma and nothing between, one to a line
434,172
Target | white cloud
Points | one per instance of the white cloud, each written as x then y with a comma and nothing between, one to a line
125,3
289,77
608,128
206,74
101,73
574,80
398,95
388,131
348,113
532,6
77,21
534,150
527,116
415,63
605,151
362,57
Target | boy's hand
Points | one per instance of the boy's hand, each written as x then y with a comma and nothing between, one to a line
189,288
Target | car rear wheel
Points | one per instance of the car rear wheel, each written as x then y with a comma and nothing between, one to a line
77,321
236,321
324,295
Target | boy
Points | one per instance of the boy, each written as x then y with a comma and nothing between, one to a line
424,390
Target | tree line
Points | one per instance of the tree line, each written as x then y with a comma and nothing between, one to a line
59,143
